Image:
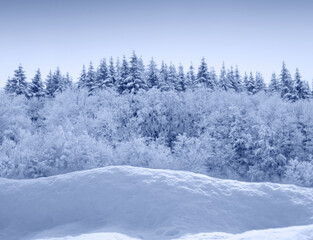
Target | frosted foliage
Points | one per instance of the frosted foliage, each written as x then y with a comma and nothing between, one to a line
251,137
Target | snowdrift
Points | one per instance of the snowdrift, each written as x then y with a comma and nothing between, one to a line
147,204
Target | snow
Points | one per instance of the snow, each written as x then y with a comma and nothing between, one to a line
125,202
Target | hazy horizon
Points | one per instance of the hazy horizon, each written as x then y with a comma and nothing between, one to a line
256,36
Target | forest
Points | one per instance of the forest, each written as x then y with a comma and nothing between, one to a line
227,124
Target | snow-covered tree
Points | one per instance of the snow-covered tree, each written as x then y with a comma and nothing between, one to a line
259,83
152,75
301,90
181,79
18,84
287,85
223,81
82,81
274,86
203,77
134,82
103,78
36,87
190,77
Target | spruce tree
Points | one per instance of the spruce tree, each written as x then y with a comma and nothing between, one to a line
36,87
112,72
91,77
203,78
54,83
17,85
163,81
181,80
238,81
274,86
190,77
152,75
172,77
287,90
82,81
103,78
134,82
301,90
259,83
232,81
251,84
223,82
245,82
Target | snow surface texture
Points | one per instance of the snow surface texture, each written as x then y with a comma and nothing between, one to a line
137,203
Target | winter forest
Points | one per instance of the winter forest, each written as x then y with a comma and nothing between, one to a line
225,124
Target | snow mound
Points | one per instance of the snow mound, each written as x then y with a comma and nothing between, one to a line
146,204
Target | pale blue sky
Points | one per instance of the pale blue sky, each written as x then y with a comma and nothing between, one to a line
255,35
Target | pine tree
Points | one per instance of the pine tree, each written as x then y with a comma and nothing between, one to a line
117,73
181,80
54,83
36,87
223,83
287,90
259,83
172,77
103,79
152,75
112,72
17,85
82,81
190,77
67,81
301,90
203,78
251,84
123,76
134,82
232,81
91,77
238,80
245,82
274,86
163,80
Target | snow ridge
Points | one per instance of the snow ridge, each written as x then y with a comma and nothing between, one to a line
146,204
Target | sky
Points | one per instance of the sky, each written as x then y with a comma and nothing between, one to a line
255,35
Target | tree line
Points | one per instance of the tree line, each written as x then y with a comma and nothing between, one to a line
132,76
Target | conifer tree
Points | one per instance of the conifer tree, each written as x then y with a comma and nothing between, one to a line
172,77
134,82
245,82
300,87
287,90
36,87
181,80
124,75
91,77
238,80
274,86
203,78
231,80
112,72
190,77
251,84
223,84
17,85
54,83
152,75
259,83
163,79
103,79
82,81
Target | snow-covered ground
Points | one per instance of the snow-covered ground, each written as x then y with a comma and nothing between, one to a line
137,203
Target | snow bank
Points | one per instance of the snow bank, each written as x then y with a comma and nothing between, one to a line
146,204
